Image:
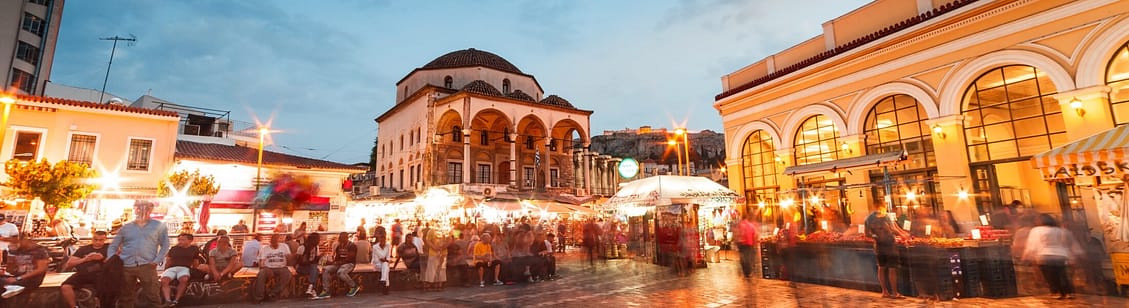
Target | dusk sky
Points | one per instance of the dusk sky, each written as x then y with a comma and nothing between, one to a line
325,72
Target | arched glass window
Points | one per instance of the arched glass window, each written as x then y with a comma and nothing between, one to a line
448,82
1009,113
896,123
758,162
456,133
817,141
505,86
1117,77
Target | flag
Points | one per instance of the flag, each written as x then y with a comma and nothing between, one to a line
537,158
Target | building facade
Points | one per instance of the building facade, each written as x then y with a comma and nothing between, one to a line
968,90
29,30
471,117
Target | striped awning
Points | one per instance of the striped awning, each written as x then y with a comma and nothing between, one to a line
1103,154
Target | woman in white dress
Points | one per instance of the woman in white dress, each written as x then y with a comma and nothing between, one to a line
381,253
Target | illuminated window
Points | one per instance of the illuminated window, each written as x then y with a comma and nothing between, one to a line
1009,113
1117,77
896,123
759,163
817,141
27,146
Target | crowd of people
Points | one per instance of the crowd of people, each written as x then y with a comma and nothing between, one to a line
142,260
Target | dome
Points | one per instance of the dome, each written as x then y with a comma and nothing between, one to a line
556,101
481,87
470,58
519,95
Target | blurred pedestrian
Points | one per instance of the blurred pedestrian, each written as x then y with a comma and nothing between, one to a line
747,245
591,240
1053,248
885,233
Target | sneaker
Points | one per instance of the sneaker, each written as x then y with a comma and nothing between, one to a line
498,282
481,284
11,291
311,292
323,295
353,291
172,303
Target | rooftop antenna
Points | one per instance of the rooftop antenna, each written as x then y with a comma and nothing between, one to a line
130,41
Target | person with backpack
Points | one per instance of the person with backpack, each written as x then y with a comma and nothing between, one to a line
307,259
344,260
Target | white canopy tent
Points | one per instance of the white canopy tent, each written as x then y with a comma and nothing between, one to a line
670,189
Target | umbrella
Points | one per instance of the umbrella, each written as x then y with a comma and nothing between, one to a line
670,189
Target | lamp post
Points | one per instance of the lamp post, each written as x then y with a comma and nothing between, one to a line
685,143
8,101
263,131
677,152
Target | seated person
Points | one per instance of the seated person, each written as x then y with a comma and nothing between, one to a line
409,253
27,264
178,263
484,258
87,261
543,248
223,261
272,263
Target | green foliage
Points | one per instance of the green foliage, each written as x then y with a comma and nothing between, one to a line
199,186
59,185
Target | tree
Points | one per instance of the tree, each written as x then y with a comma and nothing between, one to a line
194,186
58,185
372,155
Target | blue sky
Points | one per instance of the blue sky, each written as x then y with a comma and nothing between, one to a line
325,72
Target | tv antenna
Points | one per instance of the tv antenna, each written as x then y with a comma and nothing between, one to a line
129,42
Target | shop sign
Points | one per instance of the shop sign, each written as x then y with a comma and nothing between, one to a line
628,168
1120,267
1098,168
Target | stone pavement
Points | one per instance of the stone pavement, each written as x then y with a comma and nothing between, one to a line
632,283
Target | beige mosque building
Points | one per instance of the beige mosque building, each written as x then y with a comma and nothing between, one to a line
946,101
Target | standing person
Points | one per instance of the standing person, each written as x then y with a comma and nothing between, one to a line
885,233
307,257
484,258
561,227
747,244
141,244
87,261
344,260
27,264
272,263
223,261
240,228
591,240
251,251
436,250
397,233
1052,247
381,254
180,259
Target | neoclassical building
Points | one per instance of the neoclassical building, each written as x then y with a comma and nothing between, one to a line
967,90
472,117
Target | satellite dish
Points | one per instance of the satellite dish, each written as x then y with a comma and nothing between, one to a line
115,101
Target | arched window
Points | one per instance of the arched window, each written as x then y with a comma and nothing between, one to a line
505,86
1009,113
1117,77
817,141
758,162
448,82
896,123
456,133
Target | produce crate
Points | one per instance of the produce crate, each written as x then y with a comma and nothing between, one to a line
770,261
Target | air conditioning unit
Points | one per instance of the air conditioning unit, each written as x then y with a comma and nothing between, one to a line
489,192
419,186
374,190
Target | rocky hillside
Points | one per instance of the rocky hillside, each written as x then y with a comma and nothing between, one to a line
707,148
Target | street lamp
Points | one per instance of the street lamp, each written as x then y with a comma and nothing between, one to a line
685,143
263,131
677,152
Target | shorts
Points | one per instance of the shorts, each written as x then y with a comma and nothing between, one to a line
887,257
82,279
176,272
484,264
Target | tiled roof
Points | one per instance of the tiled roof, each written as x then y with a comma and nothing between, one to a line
518,94
876,35
556,101
246,155
472,57
93,105
482,87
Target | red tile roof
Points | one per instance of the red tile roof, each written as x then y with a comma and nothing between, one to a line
246,155
93,105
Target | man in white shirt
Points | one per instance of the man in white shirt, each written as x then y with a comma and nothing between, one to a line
9,234
251,251
82,230
272,263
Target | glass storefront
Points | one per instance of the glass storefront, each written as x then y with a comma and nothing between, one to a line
821,196
897,123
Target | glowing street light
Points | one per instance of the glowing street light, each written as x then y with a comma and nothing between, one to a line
263,131
685,143
677,152
8,101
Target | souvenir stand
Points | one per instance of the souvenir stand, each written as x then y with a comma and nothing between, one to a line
661,210
1099,164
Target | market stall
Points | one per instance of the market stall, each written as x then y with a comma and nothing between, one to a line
1100,164
654,209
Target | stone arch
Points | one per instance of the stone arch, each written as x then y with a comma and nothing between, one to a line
738,144
450,118
1094,62
953,88
488,119
563,129
856,117
792,125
